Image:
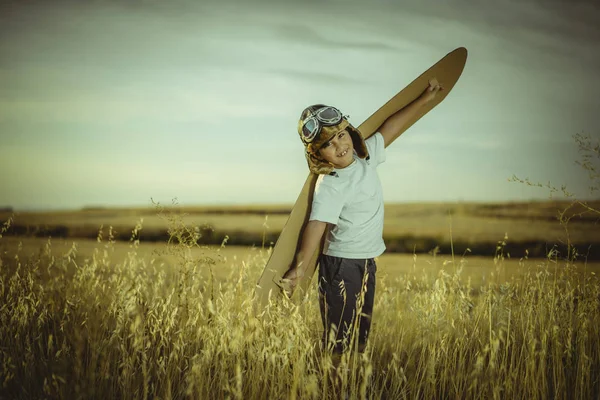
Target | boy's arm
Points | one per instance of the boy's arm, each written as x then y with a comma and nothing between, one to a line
311,238
393,126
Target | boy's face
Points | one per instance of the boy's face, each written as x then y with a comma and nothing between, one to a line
339,150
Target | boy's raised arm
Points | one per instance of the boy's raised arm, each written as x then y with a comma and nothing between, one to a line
310,241
391,128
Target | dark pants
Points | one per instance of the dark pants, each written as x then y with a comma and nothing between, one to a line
346,288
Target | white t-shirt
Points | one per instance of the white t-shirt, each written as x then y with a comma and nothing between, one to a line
352,201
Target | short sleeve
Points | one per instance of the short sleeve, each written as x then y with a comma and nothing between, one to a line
328,201
376,148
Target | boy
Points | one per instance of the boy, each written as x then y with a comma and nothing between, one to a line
348,197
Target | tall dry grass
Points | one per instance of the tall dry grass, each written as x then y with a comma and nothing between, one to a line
107,328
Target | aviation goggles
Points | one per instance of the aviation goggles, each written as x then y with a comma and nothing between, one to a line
324,116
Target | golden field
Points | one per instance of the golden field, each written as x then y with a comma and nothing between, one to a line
106,318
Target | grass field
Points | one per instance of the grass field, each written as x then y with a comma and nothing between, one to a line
106,319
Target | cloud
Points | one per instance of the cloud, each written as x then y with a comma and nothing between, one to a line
319,77
215,94
312,36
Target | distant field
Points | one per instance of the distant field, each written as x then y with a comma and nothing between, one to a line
529,226
229,260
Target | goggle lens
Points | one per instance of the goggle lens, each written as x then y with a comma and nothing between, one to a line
329,114
310,128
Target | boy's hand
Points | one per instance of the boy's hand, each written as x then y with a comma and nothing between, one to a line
431,91
291,279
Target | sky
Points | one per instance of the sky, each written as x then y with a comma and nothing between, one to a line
115,103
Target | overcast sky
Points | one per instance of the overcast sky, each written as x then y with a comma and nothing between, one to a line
116,102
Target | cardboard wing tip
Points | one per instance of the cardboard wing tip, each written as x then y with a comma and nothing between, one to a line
460,49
